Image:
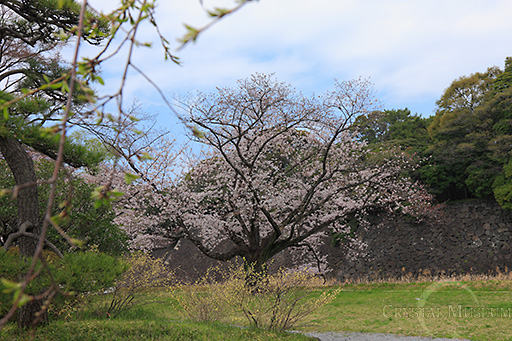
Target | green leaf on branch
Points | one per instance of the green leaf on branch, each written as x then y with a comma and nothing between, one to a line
60,218
54,86
9,286
116,194
64,87
197,133
64,204
77,242
104,196
100,197
219,12
191,35
129,178
144,156
61,35
98,192
99,80
101,202
24,300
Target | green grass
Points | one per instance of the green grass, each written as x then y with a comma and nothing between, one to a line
441,309
374,308
154,321
145,330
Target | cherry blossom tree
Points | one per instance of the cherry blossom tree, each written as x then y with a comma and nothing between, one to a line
142,164
141,189
284,168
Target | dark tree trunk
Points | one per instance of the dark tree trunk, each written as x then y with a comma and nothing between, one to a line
22,168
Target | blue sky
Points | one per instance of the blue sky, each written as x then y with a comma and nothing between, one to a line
410,49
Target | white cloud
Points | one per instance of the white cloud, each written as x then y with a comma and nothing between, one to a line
411,50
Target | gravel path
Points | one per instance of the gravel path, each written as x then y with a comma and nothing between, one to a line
346,336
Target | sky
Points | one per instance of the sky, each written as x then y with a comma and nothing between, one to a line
410,50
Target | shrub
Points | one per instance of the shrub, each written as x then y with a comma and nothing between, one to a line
85,274
145,272
91,225
278,301
78,274
206,300
273,301
89,271
10,267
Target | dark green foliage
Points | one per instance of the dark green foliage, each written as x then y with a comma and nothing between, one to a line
504,80
44,140
10,267
88,271
466,93
92,225
39,20
78,273
8,211
464,150
398,128
471,137
502,187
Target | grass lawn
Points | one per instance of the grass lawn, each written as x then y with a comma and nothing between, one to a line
477,310
157,321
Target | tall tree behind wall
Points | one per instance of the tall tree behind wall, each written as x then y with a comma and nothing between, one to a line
471,136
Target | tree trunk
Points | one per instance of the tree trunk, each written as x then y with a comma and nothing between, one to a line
22,168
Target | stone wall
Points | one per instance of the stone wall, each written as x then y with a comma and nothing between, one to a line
475,237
